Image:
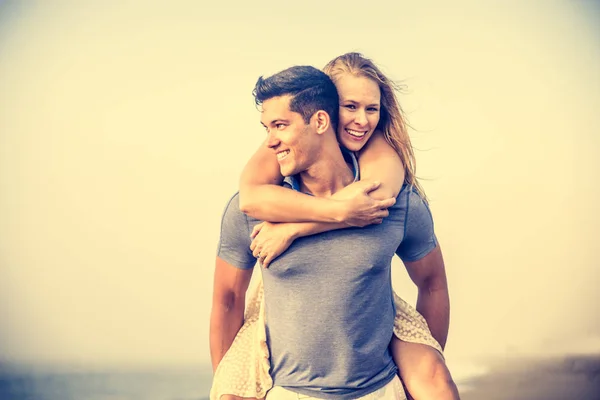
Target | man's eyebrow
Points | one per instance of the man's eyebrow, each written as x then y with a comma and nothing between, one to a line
275,121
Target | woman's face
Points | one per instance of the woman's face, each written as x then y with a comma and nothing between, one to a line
359,110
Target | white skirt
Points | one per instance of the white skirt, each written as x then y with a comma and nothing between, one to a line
244,370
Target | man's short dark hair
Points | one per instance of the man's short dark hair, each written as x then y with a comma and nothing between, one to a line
311,90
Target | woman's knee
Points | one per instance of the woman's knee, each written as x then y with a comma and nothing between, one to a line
429,369
437,385
429,378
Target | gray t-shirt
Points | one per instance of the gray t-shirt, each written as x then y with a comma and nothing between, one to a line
328,298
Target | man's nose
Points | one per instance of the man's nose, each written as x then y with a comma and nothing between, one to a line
272,140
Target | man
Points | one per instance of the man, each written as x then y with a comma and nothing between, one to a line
328,298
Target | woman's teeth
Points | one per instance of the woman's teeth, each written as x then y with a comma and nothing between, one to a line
356,133
283,154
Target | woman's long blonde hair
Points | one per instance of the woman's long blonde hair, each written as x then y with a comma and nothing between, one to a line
392,121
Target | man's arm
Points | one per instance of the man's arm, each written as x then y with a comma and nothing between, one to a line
227,314
433,301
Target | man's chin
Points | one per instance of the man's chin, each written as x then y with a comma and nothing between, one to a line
287,171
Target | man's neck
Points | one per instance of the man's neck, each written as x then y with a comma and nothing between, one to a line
329,174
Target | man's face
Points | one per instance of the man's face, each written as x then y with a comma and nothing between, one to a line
291,139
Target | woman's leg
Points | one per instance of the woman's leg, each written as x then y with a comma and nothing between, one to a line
423,371
243,373
418,356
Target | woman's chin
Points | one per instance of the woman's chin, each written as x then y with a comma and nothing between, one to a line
352,145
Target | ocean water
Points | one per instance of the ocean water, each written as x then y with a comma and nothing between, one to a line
26,383
550,378
189,383
465,371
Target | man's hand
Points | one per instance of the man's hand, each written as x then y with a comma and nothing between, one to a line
270,240
359,209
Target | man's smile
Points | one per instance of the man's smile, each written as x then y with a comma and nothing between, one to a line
282,154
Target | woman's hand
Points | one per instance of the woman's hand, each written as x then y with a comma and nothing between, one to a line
360,209
270,240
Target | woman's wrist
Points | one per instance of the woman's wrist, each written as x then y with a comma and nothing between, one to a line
294,230
338,210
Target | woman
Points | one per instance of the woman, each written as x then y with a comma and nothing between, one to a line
370,124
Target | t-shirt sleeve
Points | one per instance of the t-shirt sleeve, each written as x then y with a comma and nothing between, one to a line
419,236
234,242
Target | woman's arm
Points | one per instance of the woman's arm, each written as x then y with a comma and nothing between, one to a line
380,162
262,197
377,161
270,239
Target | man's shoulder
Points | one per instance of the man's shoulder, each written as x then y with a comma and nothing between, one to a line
402,199
233,204
408,195
410,208
232,211
234,240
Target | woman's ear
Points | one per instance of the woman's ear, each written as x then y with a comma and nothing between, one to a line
322,121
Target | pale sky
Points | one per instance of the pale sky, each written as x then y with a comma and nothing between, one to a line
124,127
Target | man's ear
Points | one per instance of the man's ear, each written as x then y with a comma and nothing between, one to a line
322,121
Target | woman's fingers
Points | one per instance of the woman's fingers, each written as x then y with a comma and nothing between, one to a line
261,259
256,230
267,261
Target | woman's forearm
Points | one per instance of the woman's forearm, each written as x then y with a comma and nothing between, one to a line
302,229
262,196
279,204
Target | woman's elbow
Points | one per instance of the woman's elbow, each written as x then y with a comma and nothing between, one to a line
247,205
250,203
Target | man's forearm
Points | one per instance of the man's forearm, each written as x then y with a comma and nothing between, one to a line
225,322
434,305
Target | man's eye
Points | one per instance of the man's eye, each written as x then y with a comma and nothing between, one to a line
280,126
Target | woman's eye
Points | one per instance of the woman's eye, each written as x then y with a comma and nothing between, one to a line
373,109
280,126
350,106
